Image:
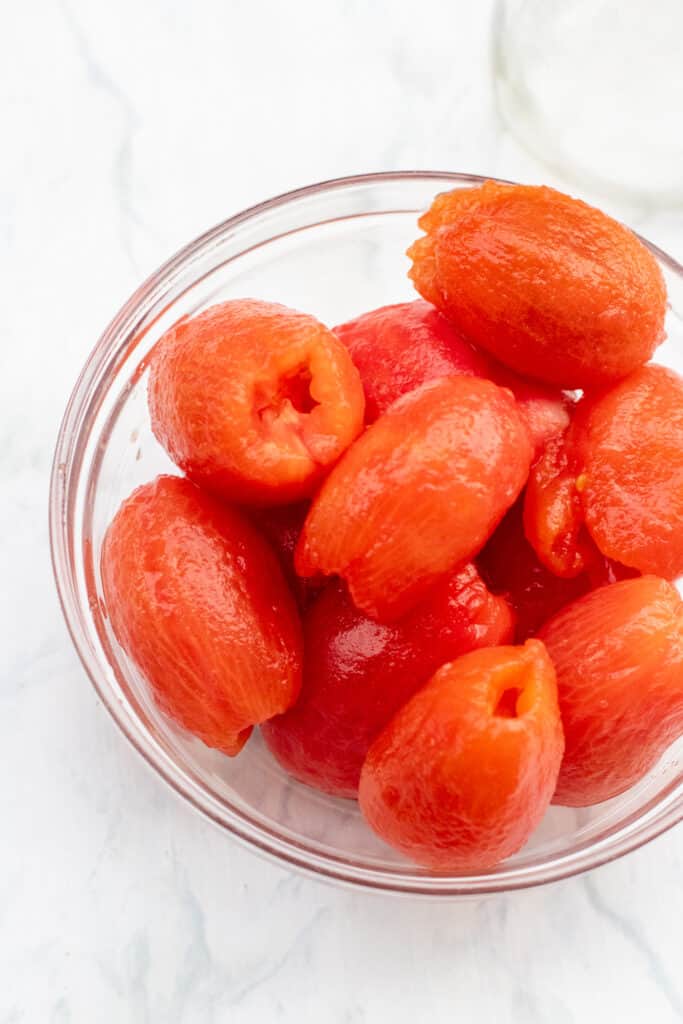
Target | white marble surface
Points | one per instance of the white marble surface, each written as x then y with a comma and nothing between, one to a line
126,129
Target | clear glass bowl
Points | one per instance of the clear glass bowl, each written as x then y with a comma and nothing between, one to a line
334,250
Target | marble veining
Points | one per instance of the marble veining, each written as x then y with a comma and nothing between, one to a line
129,128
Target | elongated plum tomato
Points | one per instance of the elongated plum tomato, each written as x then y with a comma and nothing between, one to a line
398,348
254,401
510,567
418,494
197,599
547,284
358,673
613,485
464,772
618,654
554,519
632,484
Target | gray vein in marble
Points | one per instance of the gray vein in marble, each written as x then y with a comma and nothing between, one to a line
300,939
525,1007
132,985
138,957
290,885
199,965
24,672
122,169
634,937
61,1014
198,961
355,1015
113,827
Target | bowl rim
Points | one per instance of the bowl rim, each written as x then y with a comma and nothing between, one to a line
65,475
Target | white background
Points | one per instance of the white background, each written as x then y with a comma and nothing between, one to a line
126,128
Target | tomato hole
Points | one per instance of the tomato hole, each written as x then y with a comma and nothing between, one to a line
289,399
507,703
297,389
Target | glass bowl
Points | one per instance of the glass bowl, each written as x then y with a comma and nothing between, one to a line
334,250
